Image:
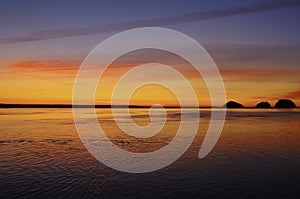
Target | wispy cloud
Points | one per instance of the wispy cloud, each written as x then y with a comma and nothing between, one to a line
44,66
255,56
68,68
41,69
171,20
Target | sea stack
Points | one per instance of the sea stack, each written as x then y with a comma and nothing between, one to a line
285,103
232,104
263,105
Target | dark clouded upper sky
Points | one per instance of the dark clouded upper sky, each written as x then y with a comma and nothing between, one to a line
242,36
255,20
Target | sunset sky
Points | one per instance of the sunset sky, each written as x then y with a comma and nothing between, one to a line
255,44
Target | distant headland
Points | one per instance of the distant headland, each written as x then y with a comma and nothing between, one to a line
263,105
285,103
281,103
233,104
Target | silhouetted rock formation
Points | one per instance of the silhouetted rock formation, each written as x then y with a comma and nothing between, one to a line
232,104
285,103
263,105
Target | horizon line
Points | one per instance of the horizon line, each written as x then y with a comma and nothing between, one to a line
3,105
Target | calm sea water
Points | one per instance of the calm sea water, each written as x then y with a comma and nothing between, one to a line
257,155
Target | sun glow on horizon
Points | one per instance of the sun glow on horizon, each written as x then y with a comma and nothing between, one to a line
51,82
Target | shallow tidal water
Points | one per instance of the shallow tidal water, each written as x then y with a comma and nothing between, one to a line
257,155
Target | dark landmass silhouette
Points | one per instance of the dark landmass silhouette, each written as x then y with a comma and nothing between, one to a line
285,103
263,105
66,106
281,103
233,104
83,106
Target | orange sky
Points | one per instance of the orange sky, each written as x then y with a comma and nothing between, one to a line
51,81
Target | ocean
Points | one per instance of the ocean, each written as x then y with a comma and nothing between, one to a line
256,156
